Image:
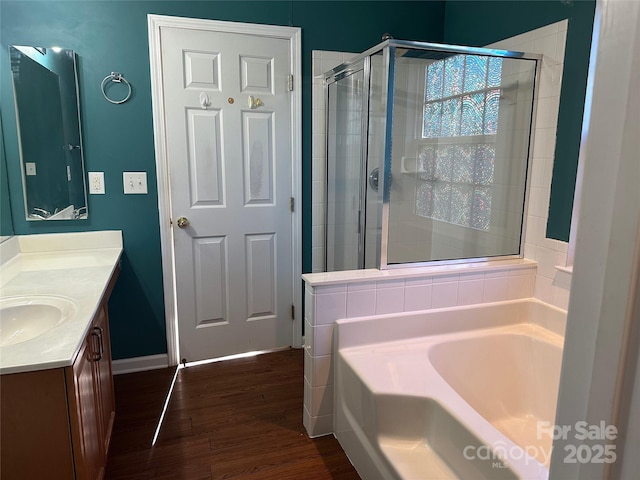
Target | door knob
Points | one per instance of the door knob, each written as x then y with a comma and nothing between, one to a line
183,222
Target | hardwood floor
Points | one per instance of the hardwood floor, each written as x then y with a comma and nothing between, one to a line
239,419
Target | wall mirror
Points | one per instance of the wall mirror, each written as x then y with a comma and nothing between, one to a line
45,88
6,223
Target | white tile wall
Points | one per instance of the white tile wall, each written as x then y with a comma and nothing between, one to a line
444,292
418,296
361,302
470,292
551,285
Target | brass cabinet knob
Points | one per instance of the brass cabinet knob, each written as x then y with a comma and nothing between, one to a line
183,222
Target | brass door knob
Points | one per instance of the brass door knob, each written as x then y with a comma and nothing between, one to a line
183,222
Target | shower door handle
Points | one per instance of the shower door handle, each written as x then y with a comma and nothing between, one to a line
373,179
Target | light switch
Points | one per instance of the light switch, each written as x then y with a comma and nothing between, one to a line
30,167
134,182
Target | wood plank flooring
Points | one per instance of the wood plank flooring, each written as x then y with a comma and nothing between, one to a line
239,419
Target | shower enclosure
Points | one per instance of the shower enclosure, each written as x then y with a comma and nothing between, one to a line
427,155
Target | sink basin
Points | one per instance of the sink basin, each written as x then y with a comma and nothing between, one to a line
26,317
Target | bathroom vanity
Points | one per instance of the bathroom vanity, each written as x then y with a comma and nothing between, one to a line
56,388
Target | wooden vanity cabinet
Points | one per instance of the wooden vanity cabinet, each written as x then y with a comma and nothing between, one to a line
104,381
57,423
91,402
83,399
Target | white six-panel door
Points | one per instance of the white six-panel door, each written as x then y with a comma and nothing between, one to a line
229,164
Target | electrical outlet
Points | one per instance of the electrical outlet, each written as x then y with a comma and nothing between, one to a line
96,183
134,182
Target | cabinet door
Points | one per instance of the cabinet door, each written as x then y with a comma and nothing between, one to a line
34,426
104,379
83,408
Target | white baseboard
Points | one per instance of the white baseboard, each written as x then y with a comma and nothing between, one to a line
140,364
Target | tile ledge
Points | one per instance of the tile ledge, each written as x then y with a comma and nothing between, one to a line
367,275
568,269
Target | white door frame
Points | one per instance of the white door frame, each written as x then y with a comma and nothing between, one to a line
293,34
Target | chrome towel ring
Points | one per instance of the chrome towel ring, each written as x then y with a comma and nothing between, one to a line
117,78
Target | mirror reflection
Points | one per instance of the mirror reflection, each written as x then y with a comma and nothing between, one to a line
6,224
47,115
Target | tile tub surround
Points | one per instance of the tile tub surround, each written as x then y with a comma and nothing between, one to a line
73,265
352,294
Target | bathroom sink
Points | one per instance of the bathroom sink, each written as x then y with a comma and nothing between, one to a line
26,317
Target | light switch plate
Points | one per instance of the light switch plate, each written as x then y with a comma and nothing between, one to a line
134,182
30,167
96,183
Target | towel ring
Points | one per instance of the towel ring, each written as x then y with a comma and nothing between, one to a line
117,78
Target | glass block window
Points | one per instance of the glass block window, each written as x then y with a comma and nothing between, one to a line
461,96
454,183
455,174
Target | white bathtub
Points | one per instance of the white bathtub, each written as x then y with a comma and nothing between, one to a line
450,393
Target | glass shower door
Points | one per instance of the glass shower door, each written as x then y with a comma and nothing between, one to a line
376,130
461,132
345,172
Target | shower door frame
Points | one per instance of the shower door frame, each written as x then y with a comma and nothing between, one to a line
386,186
388,48
338,73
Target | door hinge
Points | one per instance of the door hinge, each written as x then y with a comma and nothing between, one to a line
293,312
290,83
292,203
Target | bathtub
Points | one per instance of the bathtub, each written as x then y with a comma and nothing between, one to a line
459,392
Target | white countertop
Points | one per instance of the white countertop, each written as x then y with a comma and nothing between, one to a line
77,266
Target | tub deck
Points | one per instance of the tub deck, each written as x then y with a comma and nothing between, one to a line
428,407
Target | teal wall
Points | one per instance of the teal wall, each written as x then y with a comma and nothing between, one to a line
112,36
482,22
